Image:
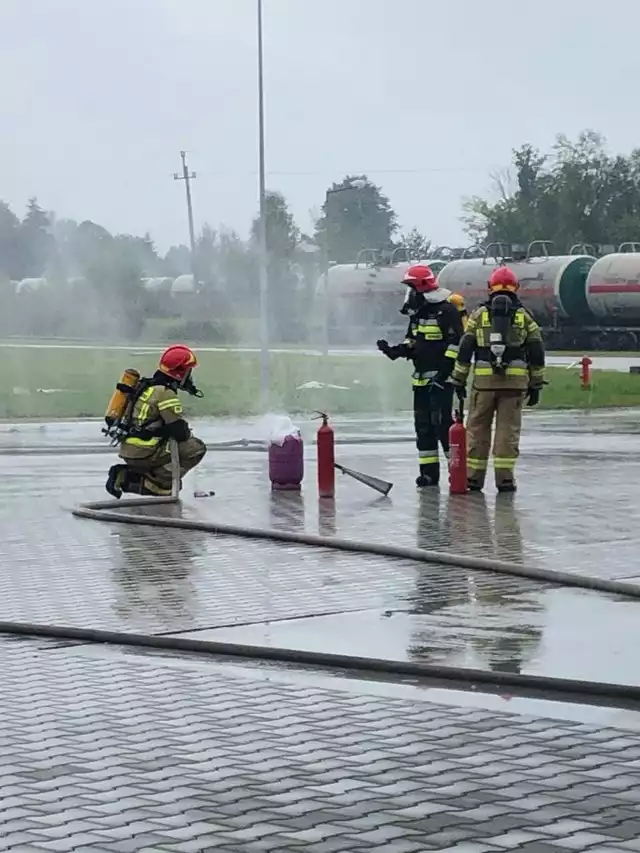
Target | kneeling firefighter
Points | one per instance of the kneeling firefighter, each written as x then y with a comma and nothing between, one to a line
144,417
509,355
434,331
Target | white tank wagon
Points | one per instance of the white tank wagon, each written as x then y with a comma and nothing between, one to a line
158,284
183,284
364,298
31,285
613,287
551,286
581,302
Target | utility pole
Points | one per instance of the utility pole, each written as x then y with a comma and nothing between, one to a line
187,177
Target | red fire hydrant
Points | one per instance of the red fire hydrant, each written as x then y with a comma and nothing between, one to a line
458,455
585,372
326,459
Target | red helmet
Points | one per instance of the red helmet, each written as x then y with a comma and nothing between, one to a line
503,278
177,361
421,278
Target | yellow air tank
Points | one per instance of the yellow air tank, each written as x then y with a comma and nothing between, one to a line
120,397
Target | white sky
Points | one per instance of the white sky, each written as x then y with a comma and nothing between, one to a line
426,96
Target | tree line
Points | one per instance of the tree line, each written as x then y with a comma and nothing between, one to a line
578,193
92,274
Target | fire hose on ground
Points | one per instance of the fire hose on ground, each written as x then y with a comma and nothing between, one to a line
572,690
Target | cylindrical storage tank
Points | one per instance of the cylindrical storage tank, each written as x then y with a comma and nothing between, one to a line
31,284
549,286
183,284
158,284
356,280
366,298
613,288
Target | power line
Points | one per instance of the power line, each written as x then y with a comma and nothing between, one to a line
391,171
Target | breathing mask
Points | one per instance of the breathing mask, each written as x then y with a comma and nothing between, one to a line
413,302
188,386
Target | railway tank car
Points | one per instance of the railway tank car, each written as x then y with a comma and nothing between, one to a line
581,302
552,287
364,298
613,287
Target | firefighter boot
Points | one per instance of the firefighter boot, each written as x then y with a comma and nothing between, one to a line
475,484
507,486
138,484
429,476
116,480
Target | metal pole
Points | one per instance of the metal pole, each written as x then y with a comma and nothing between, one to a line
262,231
325,286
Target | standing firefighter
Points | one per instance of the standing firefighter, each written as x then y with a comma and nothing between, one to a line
152,417
509,368
432,339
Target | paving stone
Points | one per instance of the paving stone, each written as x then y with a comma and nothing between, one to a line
584,840
138,708
107,752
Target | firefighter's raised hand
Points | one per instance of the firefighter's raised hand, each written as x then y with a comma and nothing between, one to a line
389,351
533,396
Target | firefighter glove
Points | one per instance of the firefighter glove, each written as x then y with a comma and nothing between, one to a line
533,396
387,350
461,391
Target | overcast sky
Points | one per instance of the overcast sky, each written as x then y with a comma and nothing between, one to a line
426,96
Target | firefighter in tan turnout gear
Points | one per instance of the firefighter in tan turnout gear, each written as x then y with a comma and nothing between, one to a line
152,417
507,346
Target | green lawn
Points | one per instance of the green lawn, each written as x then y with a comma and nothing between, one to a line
80,383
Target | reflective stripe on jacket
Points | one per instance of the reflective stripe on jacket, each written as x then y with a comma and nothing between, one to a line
155,407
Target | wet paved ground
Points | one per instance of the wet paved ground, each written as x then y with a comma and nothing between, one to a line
102,750
124,755
145,580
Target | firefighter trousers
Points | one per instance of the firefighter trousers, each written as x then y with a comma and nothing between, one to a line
156,468
432,412
506,406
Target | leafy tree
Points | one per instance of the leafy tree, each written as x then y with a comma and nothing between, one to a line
282,238
353,218
576,194
10,260
178,260
35,240
416,244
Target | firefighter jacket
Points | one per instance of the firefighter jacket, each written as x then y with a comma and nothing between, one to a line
431,342
157,416
523,361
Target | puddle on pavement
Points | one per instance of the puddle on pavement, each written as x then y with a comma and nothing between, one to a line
553,632
401,688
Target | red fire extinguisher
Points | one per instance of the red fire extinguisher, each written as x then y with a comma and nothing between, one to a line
458,454
585,372
326,459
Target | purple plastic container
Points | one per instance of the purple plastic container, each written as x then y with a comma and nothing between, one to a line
286,463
